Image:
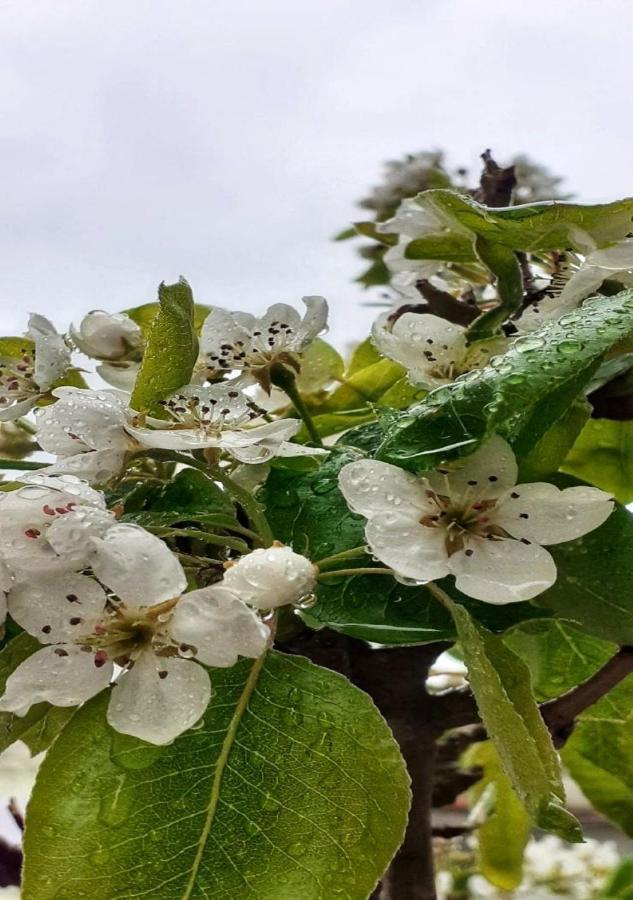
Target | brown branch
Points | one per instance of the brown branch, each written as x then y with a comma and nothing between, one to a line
443,304
458,708
560,715
496,183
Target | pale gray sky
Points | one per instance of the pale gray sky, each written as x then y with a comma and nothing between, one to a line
228,139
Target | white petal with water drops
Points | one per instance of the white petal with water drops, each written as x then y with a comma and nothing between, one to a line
158,699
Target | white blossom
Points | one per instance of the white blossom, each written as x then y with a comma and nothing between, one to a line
231,341
86,431
271,577
45,525
116,340
29,375
615,262
223,417
433,350
471,520
136,615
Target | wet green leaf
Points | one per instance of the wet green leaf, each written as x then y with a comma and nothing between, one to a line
520,395
171,349
502,838
291,787
603,455
549,225
500,682
599,755
558,655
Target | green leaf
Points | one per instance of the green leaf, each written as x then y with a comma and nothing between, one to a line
365,354
191,496
292,787
144,315
503,837
535,227
599,755
321,364
603,455
593,587
547,456
501,684
41,725
503,264
620,885
171,349
558,655
371,607
368,229
518,395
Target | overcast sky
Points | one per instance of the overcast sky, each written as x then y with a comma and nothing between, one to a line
227,140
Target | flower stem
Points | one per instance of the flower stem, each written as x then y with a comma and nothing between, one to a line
216,539
327,561
361,571
22,464
25,425
285,379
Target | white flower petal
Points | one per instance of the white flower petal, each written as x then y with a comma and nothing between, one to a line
502,571
174,439
52,356
31,534
217,623
59,609
96,466
314,321
9,413
70,535
222,327
287,448
63,676
158,699
271,577
428,346
409,548
104,335
372,488
119,375
137,566
486,474
83,420
545,514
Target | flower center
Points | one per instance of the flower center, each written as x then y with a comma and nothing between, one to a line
211,415
468,515
124,632
263,347
16,378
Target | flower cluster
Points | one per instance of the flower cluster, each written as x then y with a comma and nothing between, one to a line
109,602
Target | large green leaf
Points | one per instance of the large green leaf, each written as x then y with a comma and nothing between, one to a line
558,655
503,836
171,349
603,455
301,510
595,573
548,225
599,755
519,395
40,726
291,787
501,684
